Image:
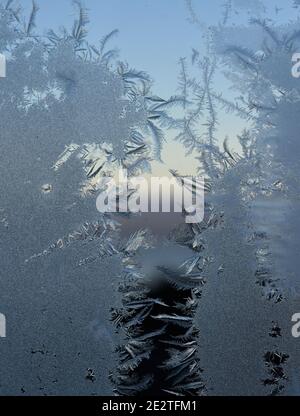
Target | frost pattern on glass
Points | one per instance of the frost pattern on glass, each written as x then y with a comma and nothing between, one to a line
254,189
70,113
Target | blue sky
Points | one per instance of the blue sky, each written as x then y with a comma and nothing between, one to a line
154,34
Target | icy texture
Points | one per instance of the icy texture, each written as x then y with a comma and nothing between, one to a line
252,251
69,114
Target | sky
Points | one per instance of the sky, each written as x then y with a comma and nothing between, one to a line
153,36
